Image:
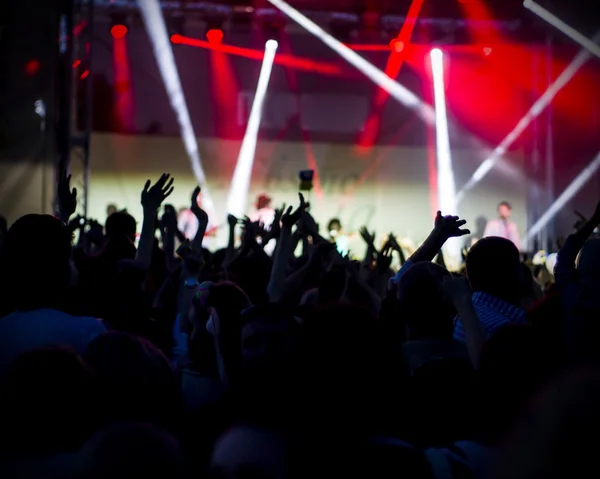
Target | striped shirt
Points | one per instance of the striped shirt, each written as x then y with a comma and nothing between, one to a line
493,313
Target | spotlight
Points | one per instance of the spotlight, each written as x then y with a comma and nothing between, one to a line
118,26
271,45
214,35
396,45
118,31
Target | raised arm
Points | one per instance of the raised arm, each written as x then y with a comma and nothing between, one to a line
67,197
151,199
445,227
202,218
459,291
565,261
283,252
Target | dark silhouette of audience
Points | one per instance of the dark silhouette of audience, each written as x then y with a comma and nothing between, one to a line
125,360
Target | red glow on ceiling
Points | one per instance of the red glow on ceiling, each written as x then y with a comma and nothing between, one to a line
76,63
118,31
396,45
84,75
176,38
32,67
214,35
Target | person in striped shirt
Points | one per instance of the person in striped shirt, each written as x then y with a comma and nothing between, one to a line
494,271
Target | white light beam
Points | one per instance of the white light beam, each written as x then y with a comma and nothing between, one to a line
540,105
240,183
395,89
571,190
163,52
569,31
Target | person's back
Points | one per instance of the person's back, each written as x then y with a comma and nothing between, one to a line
35,271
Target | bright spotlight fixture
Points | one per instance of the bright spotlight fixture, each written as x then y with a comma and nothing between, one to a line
271,45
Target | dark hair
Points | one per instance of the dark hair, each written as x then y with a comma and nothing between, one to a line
121,223
136,378
494,267
130,449
423,304
45,392
334,223
38,246
506,204
229,300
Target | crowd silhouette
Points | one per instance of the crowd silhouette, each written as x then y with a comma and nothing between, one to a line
168,360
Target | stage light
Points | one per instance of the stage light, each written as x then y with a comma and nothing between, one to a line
445,173
379,77
118,31
396,45
214,36
539,105
156,28
32,67
487,51
242,175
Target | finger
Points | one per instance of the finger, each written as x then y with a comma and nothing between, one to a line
168,184
195,194
169,192
288,212
147,185
163,179
460,223
74,193
302,202
465,232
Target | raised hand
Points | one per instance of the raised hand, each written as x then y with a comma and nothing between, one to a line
450,226
232,221
289,218
67,197
393,242
199,213
369,238
384,258
153,196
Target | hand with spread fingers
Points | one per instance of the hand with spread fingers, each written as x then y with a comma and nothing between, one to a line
289,218
450,226
153,195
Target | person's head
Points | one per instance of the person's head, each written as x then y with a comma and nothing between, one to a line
244,451
494,267
121,223
46,400
345,359
268,336
505,210
35,262
424,308
137,380
334,227
263,201
588,263
111,209
222,304
125,450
